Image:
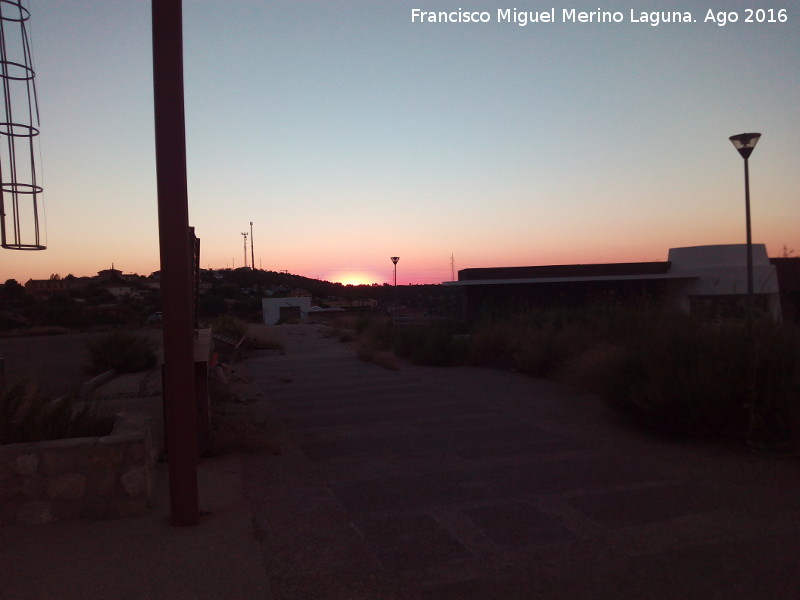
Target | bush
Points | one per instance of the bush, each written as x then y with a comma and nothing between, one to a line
538,343
433,345
125,352
685,377
27,416
229,326
669,371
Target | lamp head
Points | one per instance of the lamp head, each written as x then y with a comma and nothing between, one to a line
395,259
744,143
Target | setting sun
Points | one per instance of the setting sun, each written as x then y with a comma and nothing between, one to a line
354,278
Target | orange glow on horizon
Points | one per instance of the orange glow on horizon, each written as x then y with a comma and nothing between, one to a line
354,278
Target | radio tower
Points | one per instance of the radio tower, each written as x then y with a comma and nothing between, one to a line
452,268
244,235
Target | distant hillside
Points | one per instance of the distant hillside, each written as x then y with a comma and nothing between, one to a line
248,278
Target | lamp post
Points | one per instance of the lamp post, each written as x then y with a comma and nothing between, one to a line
394,261
745,143
252,253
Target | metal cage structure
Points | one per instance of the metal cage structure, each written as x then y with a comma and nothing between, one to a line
21,193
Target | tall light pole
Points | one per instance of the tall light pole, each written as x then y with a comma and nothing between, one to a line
745,143
252,254
394,261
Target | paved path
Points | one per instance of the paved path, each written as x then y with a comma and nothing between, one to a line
428,483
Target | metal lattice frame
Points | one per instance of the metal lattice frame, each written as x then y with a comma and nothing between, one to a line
20,189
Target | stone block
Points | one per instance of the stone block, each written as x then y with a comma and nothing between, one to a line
103,482
10,488
110,476
135,482
138,452
34,486
6,472
107,454
26,464
57,461
67,487
129,507
35,511
94,508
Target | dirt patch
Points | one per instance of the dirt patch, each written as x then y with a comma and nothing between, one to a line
234,427
232,434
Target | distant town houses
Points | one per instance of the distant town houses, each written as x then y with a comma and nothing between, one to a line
112,280
43,287
114,298
708,280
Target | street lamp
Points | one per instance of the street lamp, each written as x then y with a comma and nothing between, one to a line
394,311
394,260
745,143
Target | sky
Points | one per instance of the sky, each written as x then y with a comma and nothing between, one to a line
347,133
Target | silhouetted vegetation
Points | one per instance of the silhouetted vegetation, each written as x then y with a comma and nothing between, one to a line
27,416
666,370
686,377
229,326
123,351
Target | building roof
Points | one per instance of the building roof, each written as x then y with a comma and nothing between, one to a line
565,273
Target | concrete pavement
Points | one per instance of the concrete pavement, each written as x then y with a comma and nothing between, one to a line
435,484
465,483
142,558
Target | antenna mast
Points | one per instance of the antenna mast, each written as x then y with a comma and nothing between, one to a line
452,268
244,235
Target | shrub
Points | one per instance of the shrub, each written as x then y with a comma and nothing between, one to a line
432,344
27,416
686,377
669,371
125,352
536,342
493,346
229,326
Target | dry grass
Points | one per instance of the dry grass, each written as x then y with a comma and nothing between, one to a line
590,369
383,358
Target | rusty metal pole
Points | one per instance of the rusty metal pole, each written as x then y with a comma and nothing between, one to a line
176,271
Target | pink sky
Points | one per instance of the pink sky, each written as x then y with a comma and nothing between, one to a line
348,134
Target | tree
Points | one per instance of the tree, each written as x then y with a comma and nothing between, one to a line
12,290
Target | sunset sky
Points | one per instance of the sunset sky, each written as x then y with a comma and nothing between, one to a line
348,134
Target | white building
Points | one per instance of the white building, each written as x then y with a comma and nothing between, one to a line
709,280
718,275
294,308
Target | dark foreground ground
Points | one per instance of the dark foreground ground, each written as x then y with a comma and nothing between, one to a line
466,483
436,484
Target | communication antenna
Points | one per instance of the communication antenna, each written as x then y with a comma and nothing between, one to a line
452,268
244,235
20,188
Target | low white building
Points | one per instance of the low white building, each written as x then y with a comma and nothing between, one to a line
294,308
709,280
716,275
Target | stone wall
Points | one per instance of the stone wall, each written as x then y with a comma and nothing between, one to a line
80,478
